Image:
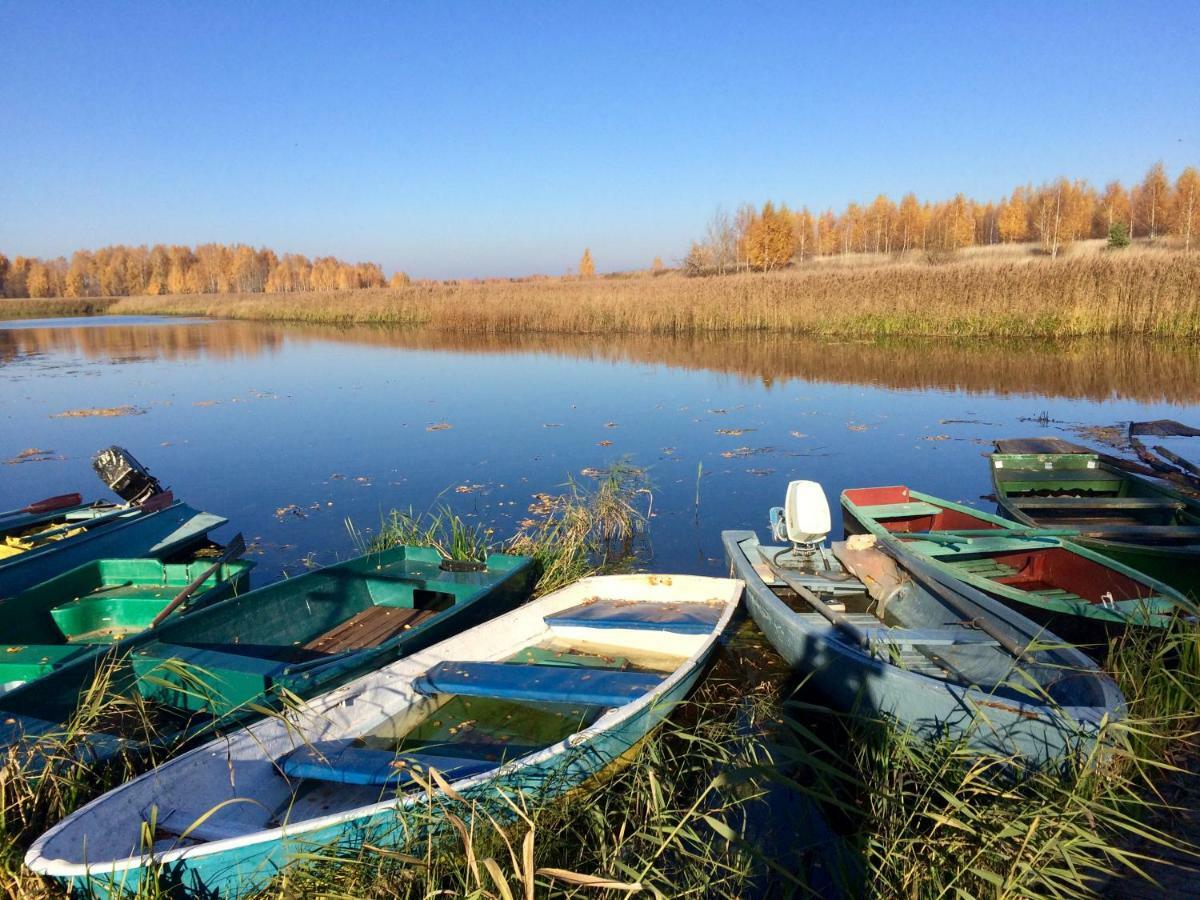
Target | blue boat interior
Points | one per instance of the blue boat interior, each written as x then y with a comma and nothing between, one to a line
483,713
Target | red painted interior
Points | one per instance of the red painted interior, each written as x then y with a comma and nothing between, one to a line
1059,568
876,496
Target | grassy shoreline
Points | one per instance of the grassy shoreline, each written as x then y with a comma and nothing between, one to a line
1153,293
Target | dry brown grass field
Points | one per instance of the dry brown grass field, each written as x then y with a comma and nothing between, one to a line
1139,291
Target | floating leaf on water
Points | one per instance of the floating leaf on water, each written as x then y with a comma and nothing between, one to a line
733,432
798,434
552,424
592,472
106,412
760,473
603,443
439,426
290,509
856,427
611,425
206,403
468,488
937,437
33,454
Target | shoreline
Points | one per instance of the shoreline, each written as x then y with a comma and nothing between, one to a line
1131,294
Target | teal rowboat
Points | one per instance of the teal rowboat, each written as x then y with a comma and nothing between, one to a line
1076,592
230,660
69,538
87,610
1141,523
536,702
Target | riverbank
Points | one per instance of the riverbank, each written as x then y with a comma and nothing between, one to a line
1138,292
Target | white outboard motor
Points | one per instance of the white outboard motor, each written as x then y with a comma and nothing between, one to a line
806,514
804,522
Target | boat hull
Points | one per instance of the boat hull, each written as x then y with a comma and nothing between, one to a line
929,708
158,533
246,863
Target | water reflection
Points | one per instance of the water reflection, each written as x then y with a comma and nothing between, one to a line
1093,370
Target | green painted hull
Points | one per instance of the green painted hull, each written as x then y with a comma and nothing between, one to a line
1053,490
225,663
998,566
88,609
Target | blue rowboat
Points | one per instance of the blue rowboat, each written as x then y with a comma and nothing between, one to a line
65,539
884,635
223,664
538,701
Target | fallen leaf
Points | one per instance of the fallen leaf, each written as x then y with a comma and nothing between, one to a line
106,411
603,443
733,432
439,426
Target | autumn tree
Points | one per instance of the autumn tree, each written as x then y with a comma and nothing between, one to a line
770,239
803,234
1155,202
3,272
587,267
1186,203
400,280
912,222
1111,207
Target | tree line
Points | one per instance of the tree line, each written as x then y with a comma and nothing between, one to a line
1053,215
120,271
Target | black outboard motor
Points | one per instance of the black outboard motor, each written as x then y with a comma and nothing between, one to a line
127,477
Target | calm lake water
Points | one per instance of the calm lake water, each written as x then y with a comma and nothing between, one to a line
290,431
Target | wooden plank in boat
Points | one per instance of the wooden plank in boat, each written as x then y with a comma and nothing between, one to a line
1097,503
369,628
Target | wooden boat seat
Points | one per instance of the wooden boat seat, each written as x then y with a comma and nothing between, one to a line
682,618
1099,503
546,684
985,568
900,510
933,637
369,628
343,762
1066,474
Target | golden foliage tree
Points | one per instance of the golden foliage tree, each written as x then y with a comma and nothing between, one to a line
587,266
1155,200
1186,206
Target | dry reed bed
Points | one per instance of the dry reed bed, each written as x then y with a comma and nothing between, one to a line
1111,294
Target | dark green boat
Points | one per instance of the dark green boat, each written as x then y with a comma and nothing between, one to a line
297,638
81,612
1138,522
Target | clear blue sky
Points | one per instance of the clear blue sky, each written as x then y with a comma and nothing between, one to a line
475,139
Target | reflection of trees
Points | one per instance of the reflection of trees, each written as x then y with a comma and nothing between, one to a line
1092,369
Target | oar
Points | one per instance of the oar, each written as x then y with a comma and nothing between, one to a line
48,505
968,534
960,605
233,550
836,619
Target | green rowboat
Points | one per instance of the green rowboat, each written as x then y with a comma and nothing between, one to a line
1142,524
82,612
235,659
1078,593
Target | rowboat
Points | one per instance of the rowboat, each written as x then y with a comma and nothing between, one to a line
65,539
881,634
537,701
1144,524
88,609
234,659
1076,592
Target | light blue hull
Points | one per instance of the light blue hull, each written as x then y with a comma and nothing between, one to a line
930,708
240,871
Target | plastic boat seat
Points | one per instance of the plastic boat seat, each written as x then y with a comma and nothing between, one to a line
546,684
683,618
934,637
344,762
900,510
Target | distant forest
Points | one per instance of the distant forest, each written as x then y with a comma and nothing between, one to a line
1053,215
122,271
759,239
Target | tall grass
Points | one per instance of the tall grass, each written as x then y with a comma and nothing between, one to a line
53,307
1152,293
